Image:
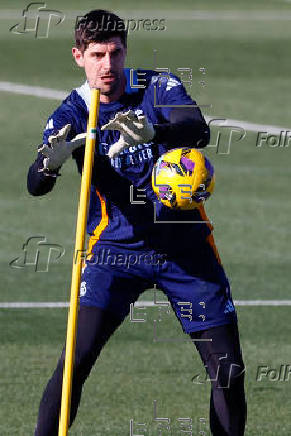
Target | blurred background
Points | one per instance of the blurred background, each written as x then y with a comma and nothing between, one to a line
243,49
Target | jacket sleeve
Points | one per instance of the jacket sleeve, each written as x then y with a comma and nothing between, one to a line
185,125
40,182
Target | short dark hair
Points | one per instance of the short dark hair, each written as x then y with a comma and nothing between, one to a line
98,26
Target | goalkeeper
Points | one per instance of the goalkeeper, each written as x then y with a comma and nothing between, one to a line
139,120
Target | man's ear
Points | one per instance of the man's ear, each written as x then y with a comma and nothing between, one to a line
79,58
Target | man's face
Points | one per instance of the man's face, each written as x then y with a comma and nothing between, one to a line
103,63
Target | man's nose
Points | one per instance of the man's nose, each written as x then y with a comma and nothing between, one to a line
107,62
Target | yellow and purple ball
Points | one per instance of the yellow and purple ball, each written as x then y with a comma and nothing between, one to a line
183,178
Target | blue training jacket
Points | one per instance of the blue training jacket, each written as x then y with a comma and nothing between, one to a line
123,207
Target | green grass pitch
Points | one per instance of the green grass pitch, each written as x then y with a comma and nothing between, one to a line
247,78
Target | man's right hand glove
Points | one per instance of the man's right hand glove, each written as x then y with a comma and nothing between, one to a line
134,130
60,149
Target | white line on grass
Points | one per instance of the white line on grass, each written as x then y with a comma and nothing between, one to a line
38,91
35,91
33,305
251,127
38,305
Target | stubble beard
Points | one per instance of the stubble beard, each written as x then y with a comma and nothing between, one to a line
111,89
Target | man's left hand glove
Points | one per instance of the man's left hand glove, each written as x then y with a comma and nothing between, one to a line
134,129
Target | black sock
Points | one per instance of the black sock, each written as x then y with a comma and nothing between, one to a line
224,364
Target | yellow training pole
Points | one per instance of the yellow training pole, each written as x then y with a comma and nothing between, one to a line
77,262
